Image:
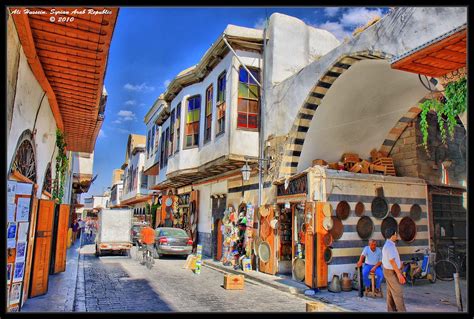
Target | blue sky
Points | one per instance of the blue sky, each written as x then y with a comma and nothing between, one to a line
150,46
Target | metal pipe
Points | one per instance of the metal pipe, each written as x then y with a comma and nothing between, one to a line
241,63
457,288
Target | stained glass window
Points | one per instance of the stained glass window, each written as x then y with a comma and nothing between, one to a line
248,99
208,120
220,104
192,121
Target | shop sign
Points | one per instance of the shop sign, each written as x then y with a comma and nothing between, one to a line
295,186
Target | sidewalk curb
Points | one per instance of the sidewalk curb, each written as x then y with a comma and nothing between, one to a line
292,290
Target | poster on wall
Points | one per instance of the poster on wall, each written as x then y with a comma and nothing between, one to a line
15,293
11,212
24,188
23,231
9,272
23,209
11,191
20,251
11,235
19,271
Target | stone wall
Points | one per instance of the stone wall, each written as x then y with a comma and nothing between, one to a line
411,159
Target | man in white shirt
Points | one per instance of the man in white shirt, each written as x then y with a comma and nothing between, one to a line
372,258
393,275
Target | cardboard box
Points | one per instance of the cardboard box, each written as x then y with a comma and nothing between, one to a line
233,282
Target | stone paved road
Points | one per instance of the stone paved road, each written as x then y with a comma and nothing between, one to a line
116,283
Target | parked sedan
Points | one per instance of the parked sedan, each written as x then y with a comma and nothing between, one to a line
172,241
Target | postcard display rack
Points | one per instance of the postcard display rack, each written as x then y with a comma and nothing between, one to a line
19,242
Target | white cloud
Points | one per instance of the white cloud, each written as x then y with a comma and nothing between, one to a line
122,130
354,17
335,28
130,102
166,83
142,104
260,24
102,134
331,11
117,122
139,87
126,115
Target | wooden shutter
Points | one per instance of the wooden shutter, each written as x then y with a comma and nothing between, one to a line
310,262
269,267
61,239
31,243
42,251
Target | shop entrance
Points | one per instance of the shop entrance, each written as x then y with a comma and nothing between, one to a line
218,208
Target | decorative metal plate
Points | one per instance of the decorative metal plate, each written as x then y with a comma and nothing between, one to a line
328,255
388,223
359,209
407,229
415,212
379,208
264,251
327,210
169,201
395,210
337,229
299,269
365,227
343,210
327,239
327,223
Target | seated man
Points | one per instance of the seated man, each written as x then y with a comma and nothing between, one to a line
373,261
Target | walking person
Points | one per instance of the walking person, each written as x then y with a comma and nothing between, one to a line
75,227
392,272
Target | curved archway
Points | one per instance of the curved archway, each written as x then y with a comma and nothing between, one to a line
350,109
24,159
315,97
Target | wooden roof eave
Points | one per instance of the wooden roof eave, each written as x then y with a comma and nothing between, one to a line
26,39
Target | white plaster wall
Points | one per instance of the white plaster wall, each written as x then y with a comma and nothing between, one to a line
292,45
27,101
83,163
13,59
154,155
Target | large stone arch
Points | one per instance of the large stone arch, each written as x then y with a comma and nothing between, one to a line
315,97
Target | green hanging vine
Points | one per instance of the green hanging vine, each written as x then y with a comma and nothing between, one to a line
447,109
61,167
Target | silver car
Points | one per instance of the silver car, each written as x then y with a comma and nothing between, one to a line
172,241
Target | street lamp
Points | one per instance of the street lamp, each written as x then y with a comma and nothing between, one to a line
245,171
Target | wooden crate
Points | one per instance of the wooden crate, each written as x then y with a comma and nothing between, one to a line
233,282
387,162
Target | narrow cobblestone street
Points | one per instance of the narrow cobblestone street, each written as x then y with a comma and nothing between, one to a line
118,283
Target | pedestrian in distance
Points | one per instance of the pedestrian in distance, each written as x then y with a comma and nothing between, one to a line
392,272
75,227
80,228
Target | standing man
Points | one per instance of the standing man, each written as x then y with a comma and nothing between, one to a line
372,258
392,272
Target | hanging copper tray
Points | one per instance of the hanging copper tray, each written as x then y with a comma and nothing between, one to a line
365,227
264,251
379,207
299,269
328,255
415,212
359,209
343,210
327,239
387,223
407,229
395,210
337,229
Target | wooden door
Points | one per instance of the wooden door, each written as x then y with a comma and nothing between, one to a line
310,259
269,267
31,243
321,265
42,251
61,239
219,240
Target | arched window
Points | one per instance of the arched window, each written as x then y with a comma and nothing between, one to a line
25,159
47,182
